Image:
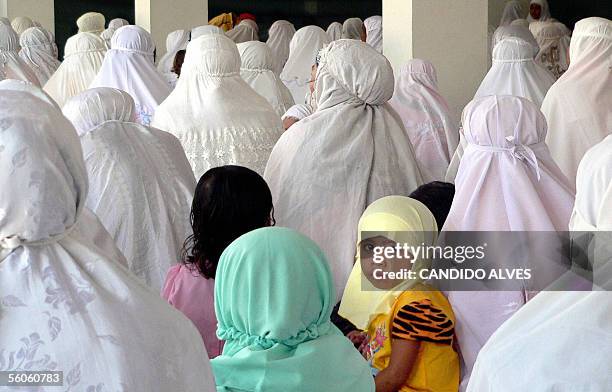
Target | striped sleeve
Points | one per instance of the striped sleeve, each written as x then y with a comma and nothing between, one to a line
421,320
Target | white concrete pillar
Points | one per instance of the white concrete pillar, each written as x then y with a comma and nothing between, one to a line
161,17
451,34
41,11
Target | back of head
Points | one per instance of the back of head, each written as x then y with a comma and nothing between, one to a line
134,39
91,22
21,24
512,50
437,196
83,43
35,37
591,42
114,24
516,31
255,55
353,71
212,55
512,11
199,31
95,106
280,26
420,71
177,40
9,40
352,28
303,49
250,23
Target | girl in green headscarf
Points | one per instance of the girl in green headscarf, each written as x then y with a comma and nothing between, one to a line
273,299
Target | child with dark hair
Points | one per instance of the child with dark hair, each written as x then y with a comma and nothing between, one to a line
229,201
177,64
437,197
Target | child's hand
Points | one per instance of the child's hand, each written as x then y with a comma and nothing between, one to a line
360,339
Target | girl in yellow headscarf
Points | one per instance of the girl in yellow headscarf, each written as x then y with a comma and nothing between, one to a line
409,325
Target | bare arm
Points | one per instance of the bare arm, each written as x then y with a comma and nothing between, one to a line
403,357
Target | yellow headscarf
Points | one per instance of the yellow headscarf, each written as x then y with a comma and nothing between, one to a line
224,21
405,220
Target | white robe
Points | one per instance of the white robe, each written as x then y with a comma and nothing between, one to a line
199,31
327,168
67,302
246,30
218,118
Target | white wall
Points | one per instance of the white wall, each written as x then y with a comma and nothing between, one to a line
39,10
161,17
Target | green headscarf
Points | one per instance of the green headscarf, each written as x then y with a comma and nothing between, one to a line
273,298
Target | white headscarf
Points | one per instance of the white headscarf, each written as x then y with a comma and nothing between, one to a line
91,22
218,118
544,14
67,303
83,56
554,42
246,30
279,37
559,340
303,50
352,28
12,65
520,22
21,24
257,71
113,25
140,182
374,33
199,31
507,181
512,11
578,106
515,72
515,31
38,53
334,31
327,168
426,117
128,66
176,40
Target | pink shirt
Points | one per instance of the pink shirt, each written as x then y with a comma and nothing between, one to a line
193,295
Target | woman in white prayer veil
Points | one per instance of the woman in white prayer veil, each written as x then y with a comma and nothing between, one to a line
559,340
512,11
67,302
539,11
327,168
426,117
577,107
374,34
515,31
91,22
38,53
218,118
507,181
83,56
246,30
279,37
554,41
129,66
12,65
140,182
354,28
303,50
21,24
199,31
257,71
334,30
176,40
113,25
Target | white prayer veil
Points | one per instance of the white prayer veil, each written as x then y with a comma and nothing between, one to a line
38,53
303,50
334,30
507,181
83,56
520,22
20,85
257,70
199,31
12,65
577,107
141,185
536,349
544,13
128,66
327,168
554,41
218,118
21,24
426,118
66,301
512,11
374,33
91,22
353,28
113,25
515,31
246,30
279,38
176,40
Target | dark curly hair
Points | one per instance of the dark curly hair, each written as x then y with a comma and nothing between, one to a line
229,201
